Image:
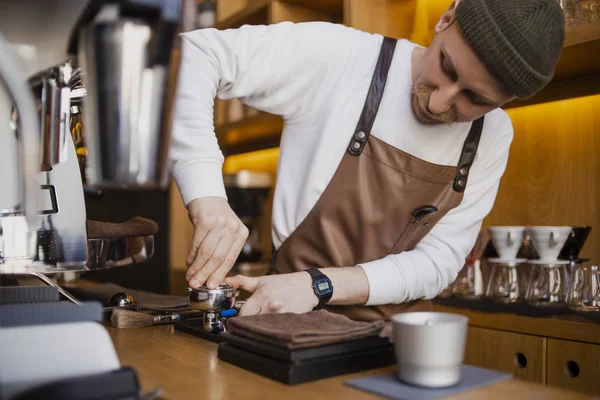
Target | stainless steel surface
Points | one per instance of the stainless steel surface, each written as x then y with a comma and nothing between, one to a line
429,347
51,89
212,322
103,254
121,299
11,190
124,50
125,111
52,283
54,240
117,252
43,25
204,299
14,81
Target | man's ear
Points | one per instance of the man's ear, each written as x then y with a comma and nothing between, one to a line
447,18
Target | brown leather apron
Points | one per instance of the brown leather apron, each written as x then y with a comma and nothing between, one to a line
380,201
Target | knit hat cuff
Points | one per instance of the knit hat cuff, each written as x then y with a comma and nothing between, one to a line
495,50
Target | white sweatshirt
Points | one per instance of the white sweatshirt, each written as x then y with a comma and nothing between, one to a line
316,76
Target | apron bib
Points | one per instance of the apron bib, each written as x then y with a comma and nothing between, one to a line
380,201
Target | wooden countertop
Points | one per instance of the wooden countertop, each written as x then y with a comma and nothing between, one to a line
187,367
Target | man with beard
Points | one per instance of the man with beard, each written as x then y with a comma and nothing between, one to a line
390,157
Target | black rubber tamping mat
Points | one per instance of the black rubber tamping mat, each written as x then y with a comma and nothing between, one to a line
488,305
296,372
59,312
194,326
28,294
388,386
310,353
592,316
523,309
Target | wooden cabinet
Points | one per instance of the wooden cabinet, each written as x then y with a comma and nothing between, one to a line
574,365
521,355
560,351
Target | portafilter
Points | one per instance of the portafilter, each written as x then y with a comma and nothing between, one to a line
215,303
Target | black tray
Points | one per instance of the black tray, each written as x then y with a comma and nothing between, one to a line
285,354
193,326
293,373
523,309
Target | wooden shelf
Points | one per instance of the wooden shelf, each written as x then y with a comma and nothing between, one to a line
335,7
255,13
261,131
567,327
260,12
582,34
578,70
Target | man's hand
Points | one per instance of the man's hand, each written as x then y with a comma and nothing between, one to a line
219,237
276,293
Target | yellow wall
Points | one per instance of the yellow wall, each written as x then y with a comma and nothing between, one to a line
262,160
553,172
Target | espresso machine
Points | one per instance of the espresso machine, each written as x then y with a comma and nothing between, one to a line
111,59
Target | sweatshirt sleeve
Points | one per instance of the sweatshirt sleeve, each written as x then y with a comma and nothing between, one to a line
434,263
284,69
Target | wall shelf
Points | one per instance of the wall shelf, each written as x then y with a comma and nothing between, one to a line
582,34
251,133
578,70
335,7
255,13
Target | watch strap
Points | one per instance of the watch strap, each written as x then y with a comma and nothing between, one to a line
316,275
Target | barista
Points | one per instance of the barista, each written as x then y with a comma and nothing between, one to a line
390,157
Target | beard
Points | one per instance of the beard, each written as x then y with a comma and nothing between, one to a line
420,108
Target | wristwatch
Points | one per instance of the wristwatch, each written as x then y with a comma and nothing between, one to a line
321,285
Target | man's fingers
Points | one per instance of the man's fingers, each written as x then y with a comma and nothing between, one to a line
199,235
251,307
204,254
217,259
221,272
247,283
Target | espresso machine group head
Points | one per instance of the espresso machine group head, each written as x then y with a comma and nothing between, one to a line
111,58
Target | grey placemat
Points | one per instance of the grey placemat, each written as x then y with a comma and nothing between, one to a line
387,385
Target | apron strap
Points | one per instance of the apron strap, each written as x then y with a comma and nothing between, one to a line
468,155
369,112
273,260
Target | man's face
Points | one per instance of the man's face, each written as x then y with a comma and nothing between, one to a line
451,84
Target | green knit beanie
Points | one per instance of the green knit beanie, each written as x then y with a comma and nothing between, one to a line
519,41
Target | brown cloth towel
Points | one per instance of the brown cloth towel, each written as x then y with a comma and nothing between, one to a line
102,292
137,226
296,331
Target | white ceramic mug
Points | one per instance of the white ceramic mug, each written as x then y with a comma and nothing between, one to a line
430,348
507,240
549,240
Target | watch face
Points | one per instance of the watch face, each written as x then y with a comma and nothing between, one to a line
323,286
